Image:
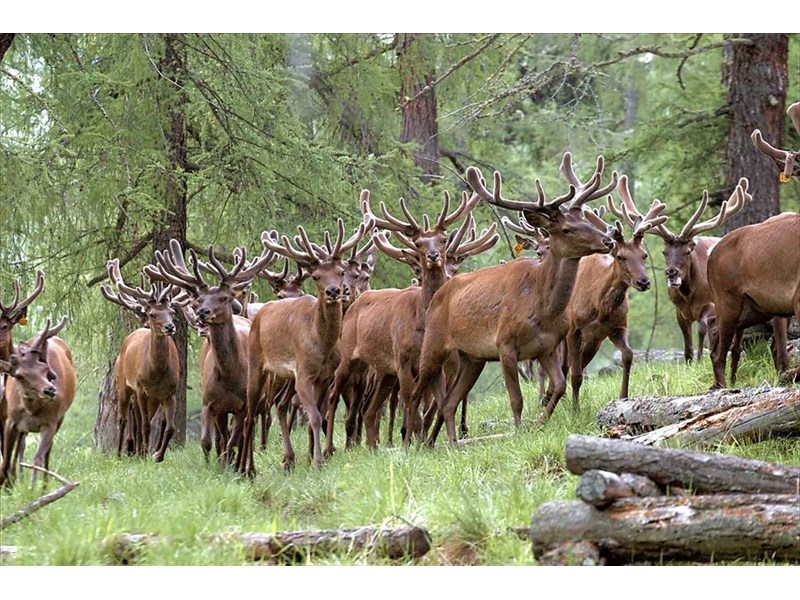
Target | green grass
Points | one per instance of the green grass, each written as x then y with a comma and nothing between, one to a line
467,497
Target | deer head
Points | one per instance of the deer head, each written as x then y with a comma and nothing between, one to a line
785,160
426,245
324,264
570,234
16,312
358,270
212,304
678,248
527,237
28,365
154,308
285,284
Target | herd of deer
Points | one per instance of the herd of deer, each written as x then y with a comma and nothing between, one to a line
422,347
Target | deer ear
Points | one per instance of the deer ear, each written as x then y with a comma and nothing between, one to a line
539,218
371,261
236,307
692,245
22,317
519,239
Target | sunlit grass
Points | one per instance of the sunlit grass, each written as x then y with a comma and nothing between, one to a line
469,498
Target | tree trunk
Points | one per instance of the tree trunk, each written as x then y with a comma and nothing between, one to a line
718,527
631,417
173,222
418,107
756,77
5,43
702,472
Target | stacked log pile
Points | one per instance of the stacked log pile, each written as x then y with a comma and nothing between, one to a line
716,416
643,504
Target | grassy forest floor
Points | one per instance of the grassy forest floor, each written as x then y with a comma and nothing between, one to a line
469,498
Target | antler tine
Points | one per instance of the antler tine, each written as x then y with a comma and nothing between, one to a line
426,223
17,306
468,203
196,268
47,333
652,219
138,294
407,213
591,189
488,238
766,147
276,277
478,184
630,213
382,242
337,246
686,232
363,229
391,222
523,227
729,207
440,218
249,271
595,217
455,240
794,114
172,268
122,300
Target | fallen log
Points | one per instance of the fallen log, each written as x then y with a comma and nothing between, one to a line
702,472
390,542
691,528
760,411
601,488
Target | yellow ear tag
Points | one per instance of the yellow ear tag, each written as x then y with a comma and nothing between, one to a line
23,321
518,249
784,179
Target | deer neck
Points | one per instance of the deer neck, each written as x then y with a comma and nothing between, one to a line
327,323
615,286
557,283
432,280
225,344
7,349
158,355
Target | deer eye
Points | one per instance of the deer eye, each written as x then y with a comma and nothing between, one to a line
566,231
620,258
646,256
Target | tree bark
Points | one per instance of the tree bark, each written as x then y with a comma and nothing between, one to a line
601,488
717,527
756,77
709,416
418,108
702,472
173,222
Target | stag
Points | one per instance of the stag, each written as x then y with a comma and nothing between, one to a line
295,339
598,308
10,315
39,393
223,364
383,329
686,256
514,311
147,368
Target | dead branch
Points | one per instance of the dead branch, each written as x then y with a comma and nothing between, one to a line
28,509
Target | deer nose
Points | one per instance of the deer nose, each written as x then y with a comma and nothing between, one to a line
608,242
671,272
643,283
169,328
333,292
433,255
49,391
203,312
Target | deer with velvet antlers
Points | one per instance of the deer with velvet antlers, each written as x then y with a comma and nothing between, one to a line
147,368
514,311
39,392
295,339
223,356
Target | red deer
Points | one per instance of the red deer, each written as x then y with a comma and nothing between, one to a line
39,393
147,368
223,364
10,315
514,311
785,160
295,339
283,284
686,257
383,328
598,308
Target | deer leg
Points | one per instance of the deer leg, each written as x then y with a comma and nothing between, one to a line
686,332
780,355
45,442
736,353
375,402
573,360
308,400
468,373
558,384
508,359
123,401
330,417
256,398
619,337
542,378
589,348
168,428
286,433
9,444
410,403
726,330
207,420
464,429
702,329
144,432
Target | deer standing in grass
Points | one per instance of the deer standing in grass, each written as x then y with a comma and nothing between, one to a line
598,308
11,315
514,311
686,255
147,368
39,393
383,328
223,357
295,339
